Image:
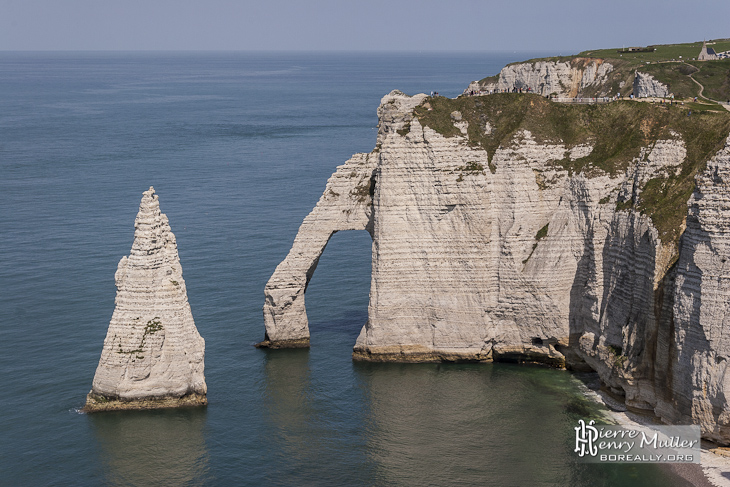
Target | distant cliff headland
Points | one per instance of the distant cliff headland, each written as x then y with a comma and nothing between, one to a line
509,225
681,71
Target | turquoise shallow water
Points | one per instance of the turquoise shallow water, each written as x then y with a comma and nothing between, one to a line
239,147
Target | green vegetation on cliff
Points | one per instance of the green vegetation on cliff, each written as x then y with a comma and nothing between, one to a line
617,131
715,77
662,52
672,64
676,76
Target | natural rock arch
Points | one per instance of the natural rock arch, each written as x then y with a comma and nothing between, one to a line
346,204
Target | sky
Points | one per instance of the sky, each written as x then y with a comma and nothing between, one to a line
562,26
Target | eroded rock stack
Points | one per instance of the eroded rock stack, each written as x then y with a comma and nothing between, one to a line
153,356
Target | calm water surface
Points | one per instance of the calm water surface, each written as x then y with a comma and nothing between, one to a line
239,147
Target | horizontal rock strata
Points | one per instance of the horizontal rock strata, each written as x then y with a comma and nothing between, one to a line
345,205
153,356
536,249
696,378
558,78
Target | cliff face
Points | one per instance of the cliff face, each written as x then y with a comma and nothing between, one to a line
511,228
701,309
645,85
561,78
153,355
577,77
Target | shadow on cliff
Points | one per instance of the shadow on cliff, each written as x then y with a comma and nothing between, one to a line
696,363
622,315
634,328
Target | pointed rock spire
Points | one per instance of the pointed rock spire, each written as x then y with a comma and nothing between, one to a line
153,355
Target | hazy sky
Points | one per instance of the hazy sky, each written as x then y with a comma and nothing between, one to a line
563,26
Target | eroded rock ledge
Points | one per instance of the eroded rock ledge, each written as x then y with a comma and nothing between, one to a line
96,403
153,356
510,228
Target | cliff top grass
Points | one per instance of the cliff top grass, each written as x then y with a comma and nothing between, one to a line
661,53
715,77
672,64
617,131
676,75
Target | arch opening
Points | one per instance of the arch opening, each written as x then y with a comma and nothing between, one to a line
337,297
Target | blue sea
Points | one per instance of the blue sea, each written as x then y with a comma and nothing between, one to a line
238,147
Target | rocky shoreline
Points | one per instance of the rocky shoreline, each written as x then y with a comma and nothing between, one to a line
714,467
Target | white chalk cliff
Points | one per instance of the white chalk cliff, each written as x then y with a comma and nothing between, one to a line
515,256
646,86
153,355
560,78
345,205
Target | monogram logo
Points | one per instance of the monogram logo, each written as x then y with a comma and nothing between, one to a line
585,438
